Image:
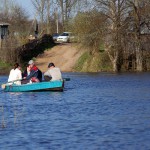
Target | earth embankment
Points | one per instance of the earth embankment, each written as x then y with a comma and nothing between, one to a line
63,56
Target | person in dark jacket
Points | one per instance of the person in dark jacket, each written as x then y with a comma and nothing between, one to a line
35,74
26,71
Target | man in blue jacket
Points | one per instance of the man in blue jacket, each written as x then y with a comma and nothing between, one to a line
35,74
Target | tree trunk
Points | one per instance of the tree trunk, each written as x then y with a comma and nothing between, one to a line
113,59
48,17
139,59
62,12
115,66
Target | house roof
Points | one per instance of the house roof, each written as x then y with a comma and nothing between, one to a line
4,24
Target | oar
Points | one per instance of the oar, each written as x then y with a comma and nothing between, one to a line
4,84
66,79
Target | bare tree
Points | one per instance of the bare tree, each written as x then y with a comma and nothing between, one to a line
139,17
89,28
5,9
115,10
18,29
40,6
48,2
66,7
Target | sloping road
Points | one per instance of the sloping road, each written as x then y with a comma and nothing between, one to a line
63,56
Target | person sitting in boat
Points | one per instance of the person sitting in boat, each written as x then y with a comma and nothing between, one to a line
35,74
25,74
53,73
26,71
15,74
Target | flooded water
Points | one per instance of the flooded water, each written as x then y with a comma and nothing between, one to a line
100,111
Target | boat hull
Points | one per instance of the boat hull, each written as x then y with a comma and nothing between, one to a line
38,86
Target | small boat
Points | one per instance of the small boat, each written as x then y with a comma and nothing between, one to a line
37,86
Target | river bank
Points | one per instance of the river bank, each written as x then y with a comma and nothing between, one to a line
64,56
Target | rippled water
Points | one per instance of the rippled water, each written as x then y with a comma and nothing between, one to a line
101,111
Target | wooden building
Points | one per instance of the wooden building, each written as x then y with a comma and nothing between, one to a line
3,31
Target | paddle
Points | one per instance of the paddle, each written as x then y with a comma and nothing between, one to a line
4,84
66,79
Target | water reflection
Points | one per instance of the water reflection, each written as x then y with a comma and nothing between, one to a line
12,109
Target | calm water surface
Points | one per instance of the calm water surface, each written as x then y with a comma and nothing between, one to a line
101,111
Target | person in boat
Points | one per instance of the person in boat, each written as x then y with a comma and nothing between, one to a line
25,74
53,73
27,71
35,74
15,74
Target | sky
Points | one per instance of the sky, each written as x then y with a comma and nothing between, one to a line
27,5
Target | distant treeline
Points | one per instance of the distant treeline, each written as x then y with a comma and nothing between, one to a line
118,28
118,31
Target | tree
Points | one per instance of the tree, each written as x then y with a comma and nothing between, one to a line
40,6
48,16
5,9
89,27
19,20
66,7
140,20
18,29
115,11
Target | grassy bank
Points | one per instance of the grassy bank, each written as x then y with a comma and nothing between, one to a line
4,68
93,63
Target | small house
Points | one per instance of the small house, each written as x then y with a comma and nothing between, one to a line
3,30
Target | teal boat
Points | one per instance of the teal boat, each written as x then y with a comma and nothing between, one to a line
38,86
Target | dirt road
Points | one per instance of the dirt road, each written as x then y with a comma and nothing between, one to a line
63,56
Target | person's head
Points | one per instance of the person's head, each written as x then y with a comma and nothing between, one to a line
19,67
16,65
28,68
31,63
51,65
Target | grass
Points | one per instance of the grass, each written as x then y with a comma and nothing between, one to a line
84,57
93,63
4,67
105,63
